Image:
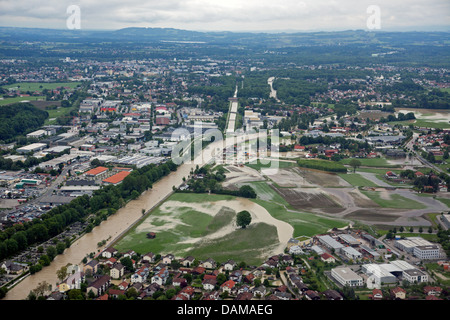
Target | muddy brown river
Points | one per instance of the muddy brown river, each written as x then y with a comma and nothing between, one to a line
112,228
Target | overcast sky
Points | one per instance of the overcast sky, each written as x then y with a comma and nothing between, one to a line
229,15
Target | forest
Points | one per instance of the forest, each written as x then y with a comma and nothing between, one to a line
18,119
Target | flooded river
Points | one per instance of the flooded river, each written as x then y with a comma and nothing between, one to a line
109,229
113,227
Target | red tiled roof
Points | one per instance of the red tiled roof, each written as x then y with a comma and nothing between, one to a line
96,171
118,177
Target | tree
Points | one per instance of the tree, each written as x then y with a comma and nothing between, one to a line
243,219
62,273
354,163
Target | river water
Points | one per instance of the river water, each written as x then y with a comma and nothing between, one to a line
114,226
109,229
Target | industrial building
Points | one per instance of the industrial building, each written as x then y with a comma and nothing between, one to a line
378,274
330,243
419,247
351,253
347,277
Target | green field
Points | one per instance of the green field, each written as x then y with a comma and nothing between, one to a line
257,165
55,113
396,201
39,86
357,180
249,245
371,162
19,99
423,123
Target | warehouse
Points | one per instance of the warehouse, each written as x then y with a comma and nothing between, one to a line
349,240
34,147
378,274
117,178
408,244
347,277
330,243
351,253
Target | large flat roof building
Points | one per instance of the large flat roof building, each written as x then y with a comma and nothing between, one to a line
347,277
330,242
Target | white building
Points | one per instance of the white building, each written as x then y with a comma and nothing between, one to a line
427,252
330,243
347,277
351,253
415,276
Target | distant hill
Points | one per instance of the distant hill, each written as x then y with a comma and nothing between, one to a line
354,37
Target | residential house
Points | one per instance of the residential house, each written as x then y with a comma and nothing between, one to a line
110,262
188,292
236,275
123,285
398,293
179,282
149,257
228,286
161,277
244,296
129,254
432,291
115,293
168,258
209,284
117,271
91,267
109,252
229,265
140,275
325,257
11,267
208,264
74,280
377,294
259,291
188,261
99,286
332,295
312,295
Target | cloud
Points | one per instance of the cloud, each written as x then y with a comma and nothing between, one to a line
232,15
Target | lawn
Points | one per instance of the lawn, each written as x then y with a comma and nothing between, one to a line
247,245
396,201
371,162
423,123
257,165
55,113
357,180
19,99
39,86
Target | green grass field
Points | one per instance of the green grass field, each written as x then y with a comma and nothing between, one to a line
249,245
55,113
396,201
357,180
39,86
257,165
371,162
423,123
19,99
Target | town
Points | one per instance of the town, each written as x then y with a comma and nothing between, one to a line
357,208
